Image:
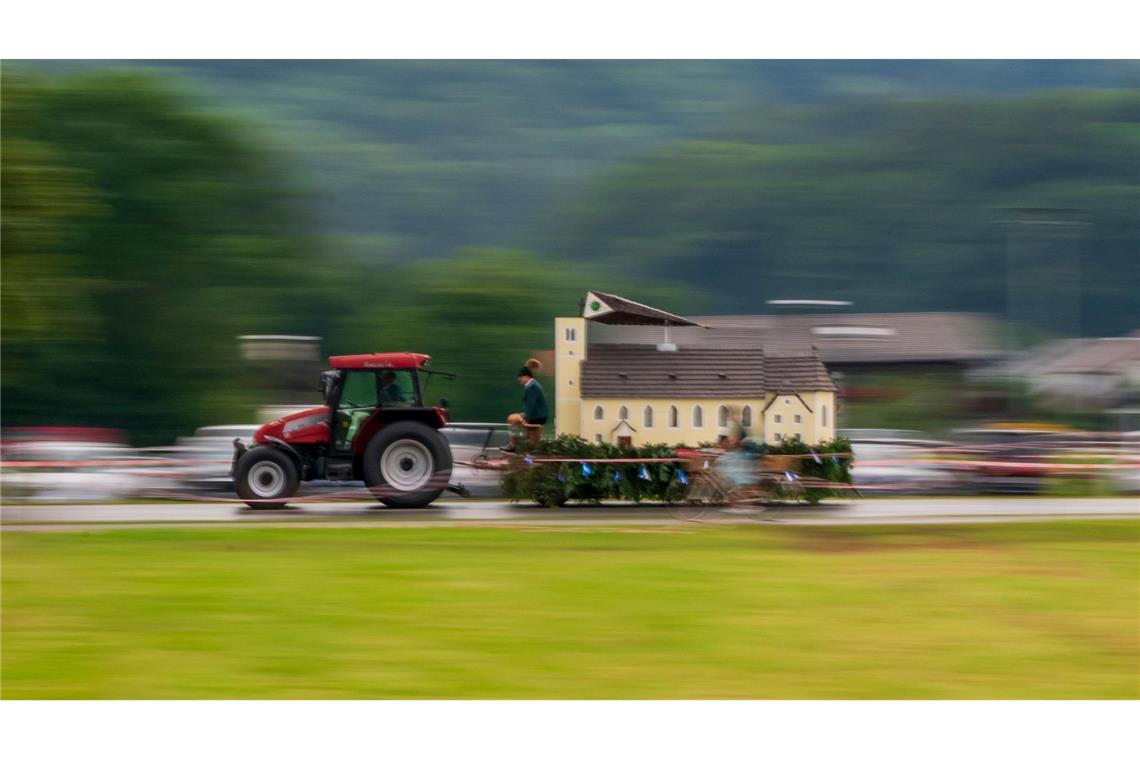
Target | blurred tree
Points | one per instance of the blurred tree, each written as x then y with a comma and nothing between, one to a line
44,206
139,238
430,156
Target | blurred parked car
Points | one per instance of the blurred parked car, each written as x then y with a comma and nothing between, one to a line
1127,476
76,471
1006,458
888,463
469,440
202,461
879,434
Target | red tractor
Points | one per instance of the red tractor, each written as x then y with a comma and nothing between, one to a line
373,427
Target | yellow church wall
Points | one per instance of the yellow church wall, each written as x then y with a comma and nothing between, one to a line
823,402
661,431
569,352
780,421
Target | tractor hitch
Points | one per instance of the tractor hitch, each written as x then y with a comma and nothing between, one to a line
459,488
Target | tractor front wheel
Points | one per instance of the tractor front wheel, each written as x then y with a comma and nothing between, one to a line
266,478
407,464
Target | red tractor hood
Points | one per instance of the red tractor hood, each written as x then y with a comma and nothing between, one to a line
309,426
379,361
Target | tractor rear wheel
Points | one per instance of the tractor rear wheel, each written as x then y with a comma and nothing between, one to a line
266,477
407,464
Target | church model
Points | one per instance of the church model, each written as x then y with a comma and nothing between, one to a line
633,393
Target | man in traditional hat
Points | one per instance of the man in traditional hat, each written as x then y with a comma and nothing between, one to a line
534,413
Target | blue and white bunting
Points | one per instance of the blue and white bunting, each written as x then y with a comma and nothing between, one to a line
587,470
683,477
815,456
644,474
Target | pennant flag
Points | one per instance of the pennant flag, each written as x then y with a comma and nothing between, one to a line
562,476
706,464
790,475
683,477
617,476
528,460
835,459
815,456
587,470
644,474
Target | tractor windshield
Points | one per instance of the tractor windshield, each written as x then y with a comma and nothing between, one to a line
359,391
358,400
364,391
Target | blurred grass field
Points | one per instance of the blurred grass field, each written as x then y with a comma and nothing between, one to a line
1025,610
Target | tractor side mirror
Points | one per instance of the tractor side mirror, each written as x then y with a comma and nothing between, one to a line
326,384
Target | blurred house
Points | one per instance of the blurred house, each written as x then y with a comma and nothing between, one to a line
918,358
638,392
285,369
847,343
1090,372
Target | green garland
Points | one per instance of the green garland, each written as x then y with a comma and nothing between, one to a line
836,469
555,483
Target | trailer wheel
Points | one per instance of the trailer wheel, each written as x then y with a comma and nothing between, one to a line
407,464
266,478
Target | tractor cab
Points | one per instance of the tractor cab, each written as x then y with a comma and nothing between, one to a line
355,396
373,427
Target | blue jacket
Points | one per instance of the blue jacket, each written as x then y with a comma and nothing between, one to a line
534,402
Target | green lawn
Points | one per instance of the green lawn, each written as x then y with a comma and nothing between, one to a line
1044,610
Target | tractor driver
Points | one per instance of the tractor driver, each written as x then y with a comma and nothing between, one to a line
534,413
390,392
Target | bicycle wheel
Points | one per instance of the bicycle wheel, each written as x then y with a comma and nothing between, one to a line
761,511
688,511
701,494
749,501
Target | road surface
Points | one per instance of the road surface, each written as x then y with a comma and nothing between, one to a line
450,512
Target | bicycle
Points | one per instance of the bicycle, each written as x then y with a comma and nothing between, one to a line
711,492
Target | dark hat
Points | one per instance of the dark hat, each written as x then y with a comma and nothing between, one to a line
528,369
525,372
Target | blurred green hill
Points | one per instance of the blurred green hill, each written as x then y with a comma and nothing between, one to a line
413,158
882,182
937,204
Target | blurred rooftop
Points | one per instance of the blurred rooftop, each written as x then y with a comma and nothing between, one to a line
909,337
